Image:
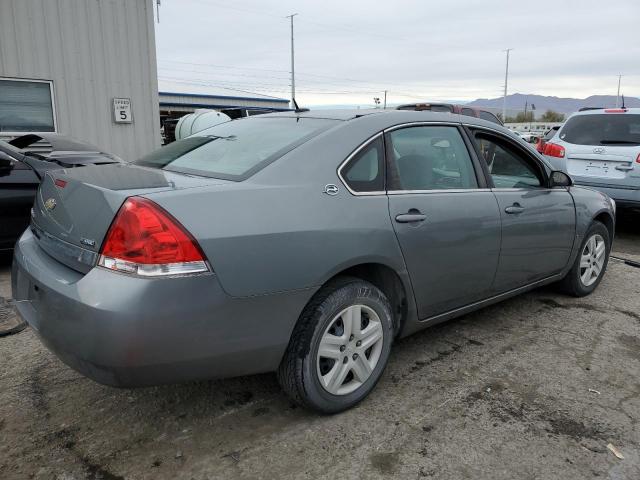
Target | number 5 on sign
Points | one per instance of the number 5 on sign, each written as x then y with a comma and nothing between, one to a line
122,110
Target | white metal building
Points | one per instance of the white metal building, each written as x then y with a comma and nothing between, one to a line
83,68
187,97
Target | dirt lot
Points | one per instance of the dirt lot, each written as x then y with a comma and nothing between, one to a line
533,388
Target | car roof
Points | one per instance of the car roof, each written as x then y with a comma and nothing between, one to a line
611,110
332,114
389,115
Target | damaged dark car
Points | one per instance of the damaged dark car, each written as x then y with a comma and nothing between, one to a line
23,163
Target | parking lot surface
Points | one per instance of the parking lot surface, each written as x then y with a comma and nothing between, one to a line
536,387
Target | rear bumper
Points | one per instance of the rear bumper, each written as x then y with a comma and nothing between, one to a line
127,331
625,196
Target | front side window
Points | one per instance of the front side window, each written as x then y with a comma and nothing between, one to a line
429,158
237,149
509,168
365,171
26,106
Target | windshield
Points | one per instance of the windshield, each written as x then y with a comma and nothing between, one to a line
602,129
237,149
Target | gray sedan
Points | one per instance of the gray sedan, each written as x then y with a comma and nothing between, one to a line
299,242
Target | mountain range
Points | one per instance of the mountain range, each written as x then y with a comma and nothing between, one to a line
517,101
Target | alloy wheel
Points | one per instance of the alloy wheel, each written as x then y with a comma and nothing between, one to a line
592,260
349,349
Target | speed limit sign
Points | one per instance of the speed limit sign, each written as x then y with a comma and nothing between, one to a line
122,110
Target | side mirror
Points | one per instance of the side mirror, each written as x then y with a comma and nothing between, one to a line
560,179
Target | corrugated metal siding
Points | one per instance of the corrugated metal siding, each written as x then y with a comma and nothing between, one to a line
93,51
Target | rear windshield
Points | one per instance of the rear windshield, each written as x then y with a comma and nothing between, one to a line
602,129
237,149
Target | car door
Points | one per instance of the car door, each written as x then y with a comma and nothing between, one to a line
538,222
18,186
445,218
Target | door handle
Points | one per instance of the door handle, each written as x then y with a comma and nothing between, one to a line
624,168
515,208
410,217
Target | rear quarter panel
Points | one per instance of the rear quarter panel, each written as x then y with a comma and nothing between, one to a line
589,204
279,231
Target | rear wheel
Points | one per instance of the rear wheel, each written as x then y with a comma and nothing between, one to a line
339,347
590,264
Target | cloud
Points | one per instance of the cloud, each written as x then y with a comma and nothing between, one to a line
351,51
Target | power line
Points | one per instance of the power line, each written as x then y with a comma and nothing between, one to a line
298,73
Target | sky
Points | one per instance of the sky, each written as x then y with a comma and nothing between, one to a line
350,51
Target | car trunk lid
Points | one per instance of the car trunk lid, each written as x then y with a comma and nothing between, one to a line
614,164
74,208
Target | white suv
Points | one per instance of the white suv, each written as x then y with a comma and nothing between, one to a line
600,148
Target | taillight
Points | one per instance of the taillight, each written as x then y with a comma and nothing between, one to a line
638,158
615,110
553,150
146,240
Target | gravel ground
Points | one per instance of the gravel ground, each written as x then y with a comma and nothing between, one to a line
533,388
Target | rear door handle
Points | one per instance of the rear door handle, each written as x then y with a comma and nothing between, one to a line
514,209
410,218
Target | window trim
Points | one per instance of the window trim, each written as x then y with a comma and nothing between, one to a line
53,105
471,150
362,146
540,166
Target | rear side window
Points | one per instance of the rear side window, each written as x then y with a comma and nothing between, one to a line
442,108
602,129
490,117
365,171
429,158
237,149
550,134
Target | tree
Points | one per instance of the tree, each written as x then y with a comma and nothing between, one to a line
521,118
551,116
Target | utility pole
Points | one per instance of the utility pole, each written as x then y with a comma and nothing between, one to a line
506,80
158,10
618,95
385,100
293,70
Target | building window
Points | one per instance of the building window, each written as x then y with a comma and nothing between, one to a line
26,106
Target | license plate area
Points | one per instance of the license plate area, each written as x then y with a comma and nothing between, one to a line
595,168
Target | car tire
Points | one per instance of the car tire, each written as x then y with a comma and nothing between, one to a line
312,379
573,283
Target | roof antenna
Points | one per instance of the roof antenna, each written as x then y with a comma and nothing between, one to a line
297,108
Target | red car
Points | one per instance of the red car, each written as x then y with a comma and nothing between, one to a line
452,108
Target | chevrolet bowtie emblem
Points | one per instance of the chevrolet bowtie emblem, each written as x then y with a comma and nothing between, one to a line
50,204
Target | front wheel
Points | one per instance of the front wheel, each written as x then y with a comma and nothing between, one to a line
339,347
590,264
